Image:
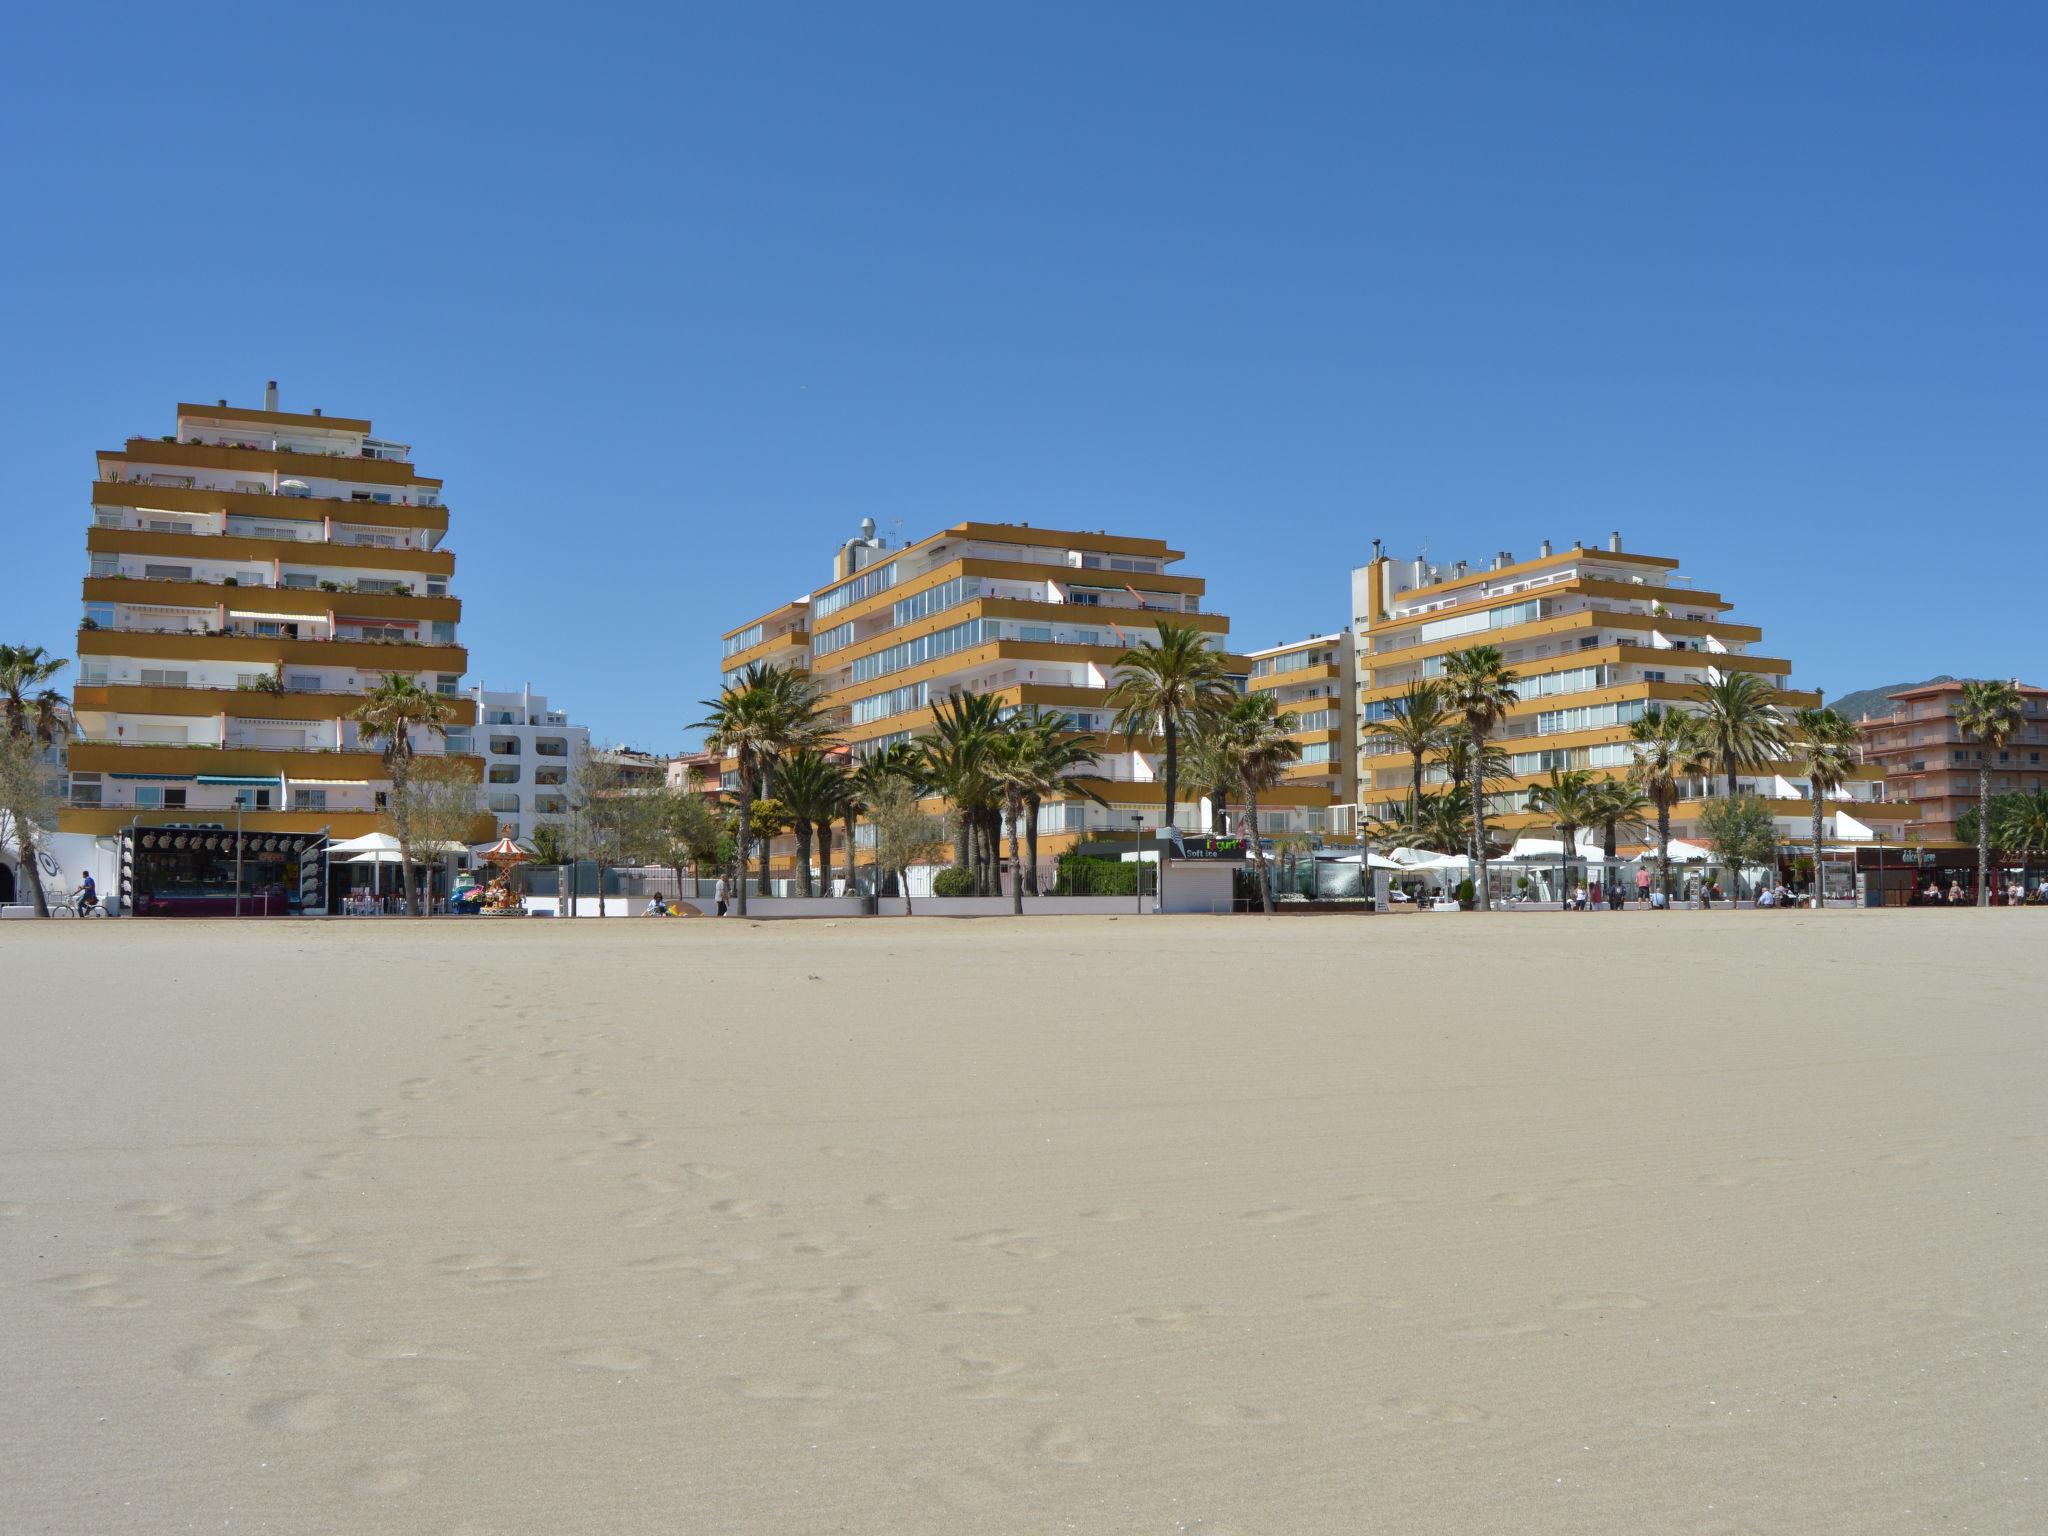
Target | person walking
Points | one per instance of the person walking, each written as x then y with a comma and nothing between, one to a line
721,895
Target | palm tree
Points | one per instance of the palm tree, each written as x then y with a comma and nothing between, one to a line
811,787
2020,823
31,710
1252,740
1570,800
953,761
391,712
1989,714
1015,768
1059,751
1618,811
1825,746
864,785
1419,724
1480,687
1441,823
1669,747
766,711
1740,716
1165,688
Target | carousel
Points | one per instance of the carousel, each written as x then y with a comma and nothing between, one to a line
498,897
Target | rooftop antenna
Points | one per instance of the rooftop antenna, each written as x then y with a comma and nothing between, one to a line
896,523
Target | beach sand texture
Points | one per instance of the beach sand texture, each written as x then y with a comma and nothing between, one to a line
1687,1223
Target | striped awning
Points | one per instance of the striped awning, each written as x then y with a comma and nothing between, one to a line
167,778
269,781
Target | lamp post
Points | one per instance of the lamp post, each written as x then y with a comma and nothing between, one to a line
238,852
1138,859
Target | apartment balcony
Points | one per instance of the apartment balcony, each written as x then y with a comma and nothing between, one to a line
243,703
191,759
205,544
184,644
146,451
313,602
137,495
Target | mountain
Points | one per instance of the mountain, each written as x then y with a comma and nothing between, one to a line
1876,701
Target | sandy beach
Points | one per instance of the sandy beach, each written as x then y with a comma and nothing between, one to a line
1699,1223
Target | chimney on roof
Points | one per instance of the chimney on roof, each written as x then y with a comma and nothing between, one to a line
220,402
1543,550
316,410
270,396
1614,542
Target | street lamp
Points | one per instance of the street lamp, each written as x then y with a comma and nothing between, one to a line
1138,859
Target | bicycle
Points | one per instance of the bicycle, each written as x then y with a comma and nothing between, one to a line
73,908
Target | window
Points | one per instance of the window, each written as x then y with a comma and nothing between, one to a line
943,642
299,581
880,579
309,799
99,615
1588,717
93,674
159,677
836,638
437,586
1652,677
253,799
750,636
302,682
444,632
85,789
504,773
881,705
551,746
549,805
105,565
1490,618
168,797
504,803
550,777
152,572
446,686
935,599
1319,752
1038,632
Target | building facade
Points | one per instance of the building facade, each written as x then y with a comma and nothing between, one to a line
1038,617
252,574
1596,636
1314,683
531,754
1925,759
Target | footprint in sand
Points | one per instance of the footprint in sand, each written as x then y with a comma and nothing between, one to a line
267,1278
302,1413
687,1263
610,1357
849,1342
1601,1301
769,1390
296,1235
1724,1180
979,1309
741,1209
1171,1319
383,1477
162,1210
1756,1311
181,1248
489,1268
653,1183
332,1167
649,1215
1007,1240
1231,1415
1114,1215
888,1202
1280,1215
862,1298
820,1245
98,1290
1521,1198
1067,1444
265,1201
389,1350
264,1319
988,1363
216,1362
1436,1410
708,1170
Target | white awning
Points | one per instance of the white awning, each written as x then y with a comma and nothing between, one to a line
369,842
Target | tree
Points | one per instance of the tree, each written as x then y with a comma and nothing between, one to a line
811,788
1014,772
953,760
1739,715
1989,714
766,819
1478,684
1253,746
905,833
1741,833
1669,747
764,712
1440,823
1569,801
870,775
1825,746
2019,824
434,812
617,821
33,718
690,830
393,712
1165,687
1058,751
1418,723
552,844
1618,811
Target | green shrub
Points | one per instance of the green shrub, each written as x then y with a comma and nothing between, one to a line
953,881
1080,876
1468,893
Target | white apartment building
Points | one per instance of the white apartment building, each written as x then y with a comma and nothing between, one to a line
531,753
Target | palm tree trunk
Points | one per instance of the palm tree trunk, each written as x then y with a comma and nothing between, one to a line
803,857
1814,788
1172,773
603,869
1664,846
963,839
1984,829
1251,816
1016,809
1479,817
852,873
825,857
1032,805
739,886
1415,786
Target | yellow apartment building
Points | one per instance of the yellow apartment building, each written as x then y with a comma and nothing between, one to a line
251,574
1039,617
1596,635
1314,683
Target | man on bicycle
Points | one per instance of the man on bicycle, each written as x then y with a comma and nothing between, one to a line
88,895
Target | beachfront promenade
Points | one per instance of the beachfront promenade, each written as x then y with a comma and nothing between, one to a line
1728,1224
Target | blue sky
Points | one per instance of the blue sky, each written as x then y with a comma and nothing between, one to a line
673,297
